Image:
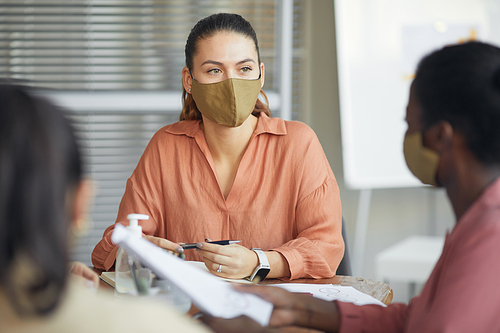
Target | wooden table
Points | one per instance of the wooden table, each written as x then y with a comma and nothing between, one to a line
378,290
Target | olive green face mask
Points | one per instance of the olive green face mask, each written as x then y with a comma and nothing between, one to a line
422,162
229,102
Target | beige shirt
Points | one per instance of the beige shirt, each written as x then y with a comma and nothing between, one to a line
85,311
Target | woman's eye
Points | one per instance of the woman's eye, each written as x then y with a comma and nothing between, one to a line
246,69
214,71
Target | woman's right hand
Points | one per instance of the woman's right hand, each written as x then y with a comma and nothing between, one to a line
165,244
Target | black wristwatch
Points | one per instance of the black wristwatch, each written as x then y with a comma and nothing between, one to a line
263,268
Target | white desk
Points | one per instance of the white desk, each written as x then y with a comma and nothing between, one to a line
410,260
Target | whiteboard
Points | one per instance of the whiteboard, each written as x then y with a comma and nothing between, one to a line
379,44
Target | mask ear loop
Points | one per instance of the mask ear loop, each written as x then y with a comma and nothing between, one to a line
192,78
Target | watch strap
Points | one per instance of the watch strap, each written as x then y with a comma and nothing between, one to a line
263,267
262,256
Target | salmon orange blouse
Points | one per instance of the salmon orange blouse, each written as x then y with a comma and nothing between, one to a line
284,198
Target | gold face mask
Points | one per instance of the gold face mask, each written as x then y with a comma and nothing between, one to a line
422,162
229,102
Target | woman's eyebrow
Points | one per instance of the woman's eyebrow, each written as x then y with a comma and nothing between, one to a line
213,62
245,60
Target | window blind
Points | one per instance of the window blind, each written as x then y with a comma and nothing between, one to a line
116,65
114,45
112,144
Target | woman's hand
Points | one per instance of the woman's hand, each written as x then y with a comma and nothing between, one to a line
235,261
80,269
165,244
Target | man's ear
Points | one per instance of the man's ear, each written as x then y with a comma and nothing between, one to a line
440,136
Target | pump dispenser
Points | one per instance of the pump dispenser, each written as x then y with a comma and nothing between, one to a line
133,223
124,283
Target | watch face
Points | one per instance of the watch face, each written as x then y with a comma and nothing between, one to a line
262,273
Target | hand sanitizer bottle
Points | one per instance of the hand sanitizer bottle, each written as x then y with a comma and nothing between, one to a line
124,282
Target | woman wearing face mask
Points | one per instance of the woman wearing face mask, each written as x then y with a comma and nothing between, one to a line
43,203
229,171
453,140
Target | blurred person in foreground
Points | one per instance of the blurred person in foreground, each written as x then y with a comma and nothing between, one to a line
43,205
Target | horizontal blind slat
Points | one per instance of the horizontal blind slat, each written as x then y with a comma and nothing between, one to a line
31,39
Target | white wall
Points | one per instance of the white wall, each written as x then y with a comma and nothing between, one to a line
394,213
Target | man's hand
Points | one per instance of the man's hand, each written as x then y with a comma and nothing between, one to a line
234,325
291,309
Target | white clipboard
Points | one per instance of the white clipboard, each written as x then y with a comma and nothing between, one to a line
207,292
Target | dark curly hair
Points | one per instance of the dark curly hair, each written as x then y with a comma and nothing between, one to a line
461,85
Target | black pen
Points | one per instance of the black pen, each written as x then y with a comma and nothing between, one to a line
221,242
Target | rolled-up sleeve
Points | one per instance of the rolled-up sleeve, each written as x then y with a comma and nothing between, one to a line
317,246
318,249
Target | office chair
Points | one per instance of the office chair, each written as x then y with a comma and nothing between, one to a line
345,265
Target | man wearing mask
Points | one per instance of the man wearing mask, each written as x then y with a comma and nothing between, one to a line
452,141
